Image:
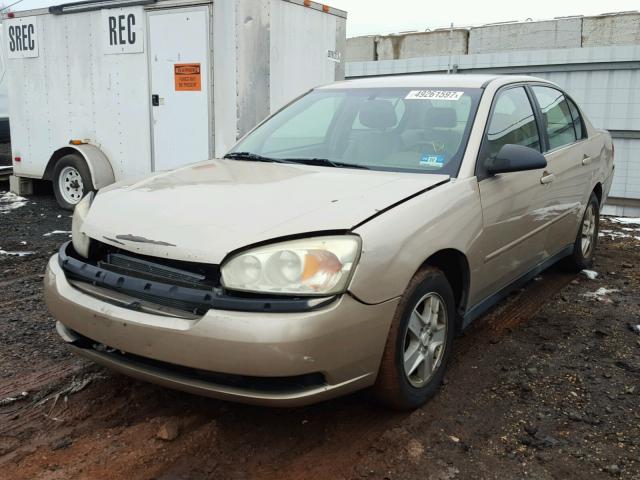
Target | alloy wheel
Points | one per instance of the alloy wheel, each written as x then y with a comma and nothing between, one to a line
588,231
425,339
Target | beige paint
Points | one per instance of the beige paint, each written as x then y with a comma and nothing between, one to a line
218,206
504,225
235,342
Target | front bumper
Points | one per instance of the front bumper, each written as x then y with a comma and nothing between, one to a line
342,341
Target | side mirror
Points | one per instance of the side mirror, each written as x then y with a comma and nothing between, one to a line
515,158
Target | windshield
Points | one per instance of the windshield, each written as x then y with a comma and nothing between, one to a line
398,129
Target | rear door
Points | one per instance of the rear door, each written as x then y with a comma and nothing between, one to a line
514,204
179,68
570,162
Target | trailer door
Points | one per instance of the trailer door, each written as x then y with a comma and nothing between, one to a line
179,66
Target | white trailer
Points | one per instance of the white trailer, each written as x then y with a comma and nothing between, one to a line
105,90
4,96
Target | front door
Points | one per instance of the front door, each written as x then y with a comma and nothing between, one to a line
180,97
515,207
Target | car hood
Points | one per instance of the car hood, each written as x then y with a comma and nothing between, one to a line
202,212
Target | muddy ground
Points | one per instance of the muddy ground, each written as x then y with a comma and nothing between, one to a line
545,386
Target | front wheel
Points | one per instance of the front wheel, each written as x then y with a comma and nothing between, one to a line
419,342
71,181
587,239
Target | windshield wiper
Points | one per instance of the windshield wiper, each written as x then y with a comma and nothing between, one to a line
325,162
253,156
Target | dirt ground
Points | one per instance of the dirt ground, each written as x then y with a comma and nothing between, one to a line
545,386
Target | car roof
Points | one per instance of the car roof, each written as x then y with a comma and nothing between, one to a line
432,80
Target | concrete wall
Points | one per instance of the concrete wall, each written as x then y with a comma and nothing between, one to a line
439,42
619,29
595,58
561,33
575,32
361,49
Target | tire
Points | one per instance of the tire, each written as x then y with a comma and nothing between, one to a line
394,387
71,181
582,257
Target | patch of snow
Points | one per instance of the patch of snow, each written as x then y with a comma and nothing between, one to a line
56,232
16,254
626,220
9,400
591,275
614,234
600,293
23,242
10,201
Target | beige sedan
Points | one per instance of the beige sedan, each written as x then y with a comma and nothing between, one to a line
340,245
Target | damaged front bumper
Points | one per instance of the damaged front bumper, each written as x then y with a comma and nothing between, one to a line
157,284
272,358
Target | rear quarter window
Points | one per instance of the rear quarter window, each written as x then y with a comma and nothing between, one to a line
578,122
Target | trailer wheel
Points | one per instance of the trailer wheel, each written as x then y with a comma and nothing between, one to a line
71,180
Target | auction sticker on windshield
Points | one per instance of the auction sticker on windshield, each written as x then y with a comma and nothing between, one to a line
433,95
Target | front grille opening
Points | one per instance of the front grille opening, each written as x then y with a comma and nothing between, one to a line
129,265
295,383
167,270
151,279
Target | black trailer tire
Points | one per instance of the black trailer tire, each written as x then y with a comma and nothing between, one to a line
71,180
404,382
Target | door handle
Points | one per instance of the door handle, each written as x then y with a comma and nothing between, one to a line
586,160
547,178
155,100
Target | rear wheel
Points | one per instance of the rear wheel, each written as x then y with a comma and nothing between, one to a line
419,342
587,239
71,181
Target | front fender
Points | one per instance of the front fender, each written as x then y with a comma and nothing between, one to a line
397,243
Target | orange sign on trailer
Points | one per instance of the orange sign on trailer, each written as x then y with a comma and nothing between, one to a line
187,77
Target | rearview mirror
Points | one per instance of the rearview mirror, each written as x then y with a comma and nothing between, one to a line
515,158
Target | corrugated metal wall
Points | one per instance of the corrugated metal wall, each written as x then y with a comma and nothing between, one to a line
605,81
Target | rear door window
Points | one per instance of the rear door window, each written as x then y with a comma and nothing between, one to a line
556,116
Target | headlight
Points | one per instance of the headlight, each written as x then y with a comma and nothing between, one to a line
80,240
312,266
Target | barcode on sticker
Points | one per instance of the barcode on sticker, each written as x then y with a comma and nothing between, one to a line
433,95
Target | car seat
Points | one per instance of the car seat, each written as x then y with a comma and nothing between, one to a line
374,144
